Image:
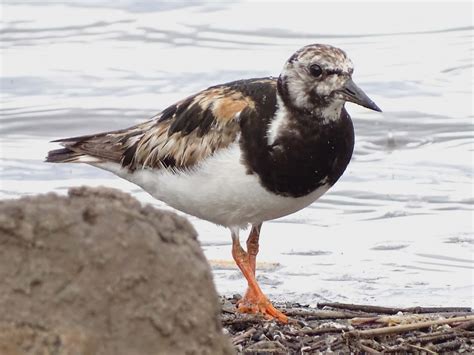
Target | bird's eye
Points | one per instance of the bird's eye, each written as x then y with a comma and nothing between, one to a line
315,70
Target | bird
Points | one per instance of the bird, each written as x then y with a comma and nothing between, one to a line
241,153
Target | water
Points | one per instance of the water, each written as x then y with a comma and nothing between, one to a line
397,229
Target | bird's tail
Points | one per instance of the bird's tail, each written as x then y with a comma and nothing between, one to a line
64,155
84,149
98,148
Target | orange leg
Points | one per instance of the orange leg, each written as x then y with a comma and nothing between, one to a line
252,246
252,251
254,300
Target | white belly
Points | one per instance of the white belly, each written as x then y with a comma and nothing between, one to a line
218,190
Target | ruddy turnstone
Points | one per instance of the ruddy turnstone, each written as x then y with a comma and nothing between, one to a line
240,153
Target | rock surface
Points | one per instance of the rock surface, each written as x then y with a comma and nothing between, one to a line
97,273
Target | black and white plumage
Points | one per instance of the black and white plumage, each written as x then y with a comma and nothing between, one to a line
243,152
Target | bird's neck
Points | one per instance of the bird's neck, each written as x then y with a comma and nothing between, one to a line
290,119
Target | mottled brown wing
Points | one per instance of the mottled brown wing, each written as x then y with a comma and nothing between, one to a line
179,137
189,131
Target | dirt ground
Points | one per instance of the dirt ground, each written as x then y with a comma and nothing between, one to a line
95,272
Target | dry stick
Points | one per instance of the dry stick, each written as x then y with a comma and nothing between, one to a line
399,349
240,338
406,327
242,322
323,314
465,333
435,337
319,331
368,349
466,325
316,345
421,348
372,343
358,321
392,310
448,346
337,344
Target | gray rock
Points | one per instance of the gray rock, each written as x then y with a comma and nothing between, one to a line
98,273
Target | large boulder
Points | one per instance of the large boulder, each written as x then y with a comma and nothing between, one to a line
95,272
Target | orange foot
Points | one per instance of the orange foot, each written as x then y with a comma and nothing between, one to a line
259,304
254,300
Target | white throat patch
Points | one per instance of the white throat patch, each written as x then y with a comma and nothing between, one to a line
281,116
329,114
332,112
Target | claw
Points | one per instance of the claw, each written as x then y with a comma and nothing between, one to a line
260,304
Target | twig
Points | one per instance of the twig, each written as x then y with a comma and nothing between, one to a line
450,345
368,349
390,320
466,325
422,348
448,314
337,344
266,347
465,333
435,337
241,337
323,330
399,349
317,345
391,310
241,322
406,327
372,343
396,319
324,314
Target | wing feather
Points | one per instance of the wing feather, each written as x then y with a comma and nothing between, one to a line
179,137
191,130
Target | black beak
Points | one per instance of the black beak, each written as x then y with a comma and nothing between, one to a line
351,92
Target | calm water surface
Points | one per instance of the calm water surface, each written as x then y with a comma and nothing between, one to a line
397,229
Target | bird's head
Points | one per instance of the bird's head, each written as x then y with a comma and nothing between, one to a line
318,78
